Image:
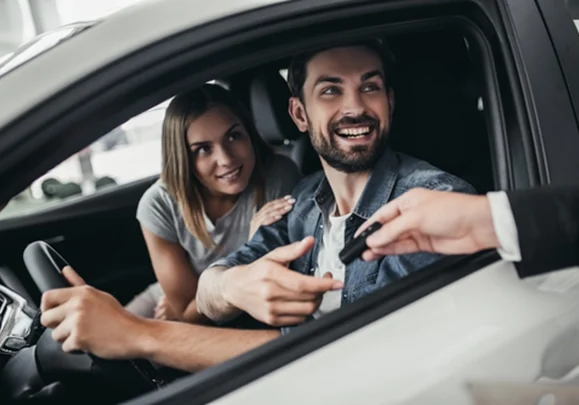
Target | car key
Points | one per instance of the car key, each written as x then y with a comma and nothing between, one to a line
355,247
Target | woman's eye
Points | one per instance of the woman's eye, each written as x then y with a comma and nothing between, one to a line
235,136
202,150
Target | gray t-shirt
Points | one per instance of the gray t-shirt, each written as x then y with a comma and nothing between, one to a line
160,214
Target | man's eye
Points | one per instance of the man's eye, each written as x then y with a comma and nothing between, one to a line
370,87
330,91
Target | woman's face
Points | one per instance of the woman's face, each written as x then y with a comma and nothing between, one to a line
221,152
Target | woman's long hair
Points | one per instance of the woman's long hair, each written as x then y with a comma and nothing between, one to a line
177,172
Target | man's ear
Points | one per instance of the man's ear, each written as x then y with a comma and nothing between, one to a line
391,103
297,111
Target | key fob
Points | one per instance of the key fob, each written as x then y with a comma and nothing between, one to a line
355,247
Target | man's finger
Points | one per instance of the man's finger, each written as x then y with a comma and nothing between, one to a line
288,320
53,317
72,276
70,345
288,253
56,297
300,283
393,231
369,256
399,247
301,309
61,332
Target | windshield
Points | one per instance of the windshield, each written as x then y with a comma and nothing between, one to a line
40,44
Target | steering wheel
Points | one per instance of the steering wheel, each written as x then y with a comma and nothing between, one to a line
131,377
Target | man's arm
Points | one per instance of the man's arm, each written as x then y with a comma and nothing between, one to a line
547,222
423,220
546,236
194,347
210,299
86,319
266,289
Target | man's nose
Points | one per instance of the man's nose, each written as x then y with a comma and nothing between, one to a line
353,104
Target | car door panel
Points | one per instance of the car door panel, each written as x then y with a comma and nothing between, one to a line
477,330
98,235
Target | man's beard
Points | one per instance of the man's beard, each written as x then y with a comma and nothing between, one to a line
359,158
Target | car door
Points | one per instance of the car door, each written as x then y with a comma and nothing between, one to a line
85,208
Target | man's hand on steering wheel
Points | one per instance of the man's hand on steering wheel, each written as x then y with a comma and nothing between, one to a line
86,319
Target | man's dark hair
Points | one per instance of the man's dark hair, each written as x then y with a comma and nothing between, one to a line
297,71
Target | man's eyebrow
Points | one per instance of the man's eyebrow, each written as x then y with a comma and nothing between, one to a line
373,73
328,79
231,128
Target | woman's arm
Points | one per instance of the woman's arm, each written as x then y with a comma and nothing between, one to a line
176,276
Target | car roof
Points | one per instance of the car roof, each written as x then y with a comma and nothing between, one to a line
111,38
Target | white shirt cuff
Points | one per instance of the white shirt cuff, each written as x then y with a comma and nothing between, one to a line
505,227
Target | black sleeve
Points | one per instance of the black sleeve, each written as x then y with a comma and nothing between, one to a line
547,222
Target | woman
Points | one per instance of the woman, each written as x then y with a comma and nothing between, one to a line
219,182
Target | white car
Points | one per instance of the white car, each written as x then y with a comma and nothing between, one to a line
486,89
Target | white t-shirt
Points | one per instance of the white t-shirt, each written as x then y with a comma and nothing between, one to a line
328,260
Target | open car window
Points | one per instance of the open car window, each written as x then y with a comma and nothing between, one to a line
100,166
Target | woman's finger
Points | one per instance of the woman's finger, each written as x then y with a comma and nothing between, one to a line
280,203
272,214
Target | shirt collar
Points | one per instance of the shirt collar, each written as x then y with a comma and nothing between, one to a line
376,192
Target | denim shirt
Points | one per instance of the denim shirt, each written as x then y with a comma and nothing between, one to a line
393,174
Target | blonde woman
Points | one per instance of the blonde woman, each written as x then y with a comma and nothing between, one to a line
219,182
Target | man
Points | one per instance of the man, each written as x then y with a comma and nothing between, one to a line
535,228
343,97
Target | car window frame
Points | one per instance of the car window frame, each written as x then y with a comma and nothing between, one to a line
62,34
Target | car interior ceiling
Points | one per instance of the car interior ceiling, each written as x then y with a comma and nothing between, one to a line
437,114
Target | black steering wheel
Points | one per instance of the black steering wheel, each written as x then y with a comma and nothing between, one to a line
131,377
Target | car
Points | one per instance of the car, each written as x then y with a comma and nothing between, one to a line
486,89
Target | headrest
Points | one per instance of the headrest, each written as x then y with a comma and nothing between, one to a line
269,99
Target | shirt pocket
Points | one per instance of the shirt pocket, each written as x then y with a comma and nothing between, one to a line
363,281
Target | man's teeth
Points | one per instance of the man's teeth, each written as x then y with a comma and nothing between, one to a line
354,132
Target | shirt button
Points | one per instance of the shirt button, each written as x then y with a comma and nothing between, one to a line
312,270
